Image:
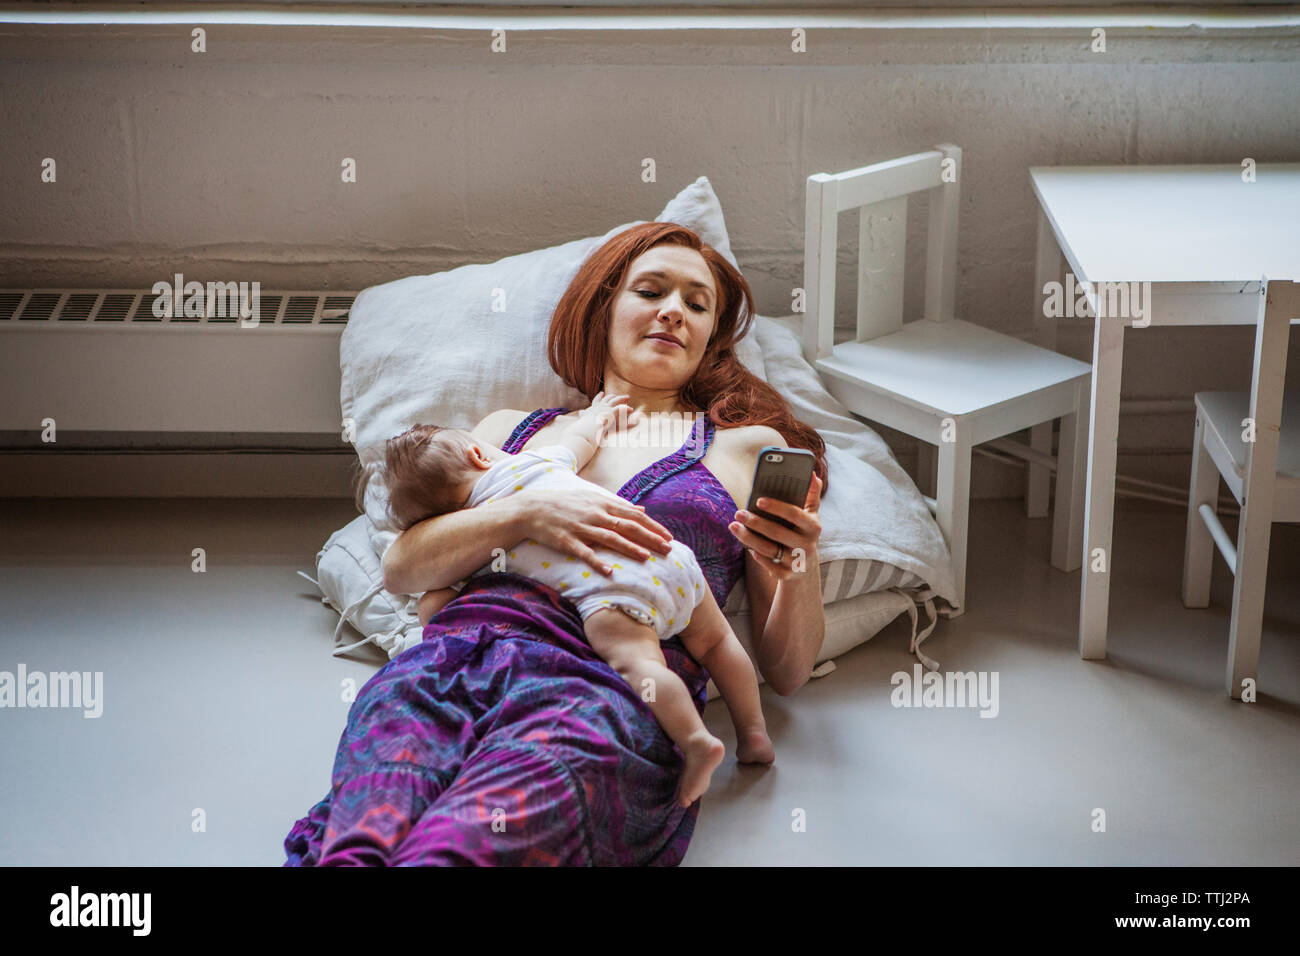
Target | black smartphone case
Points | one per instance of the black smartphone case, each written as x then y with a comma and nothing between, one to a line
786,480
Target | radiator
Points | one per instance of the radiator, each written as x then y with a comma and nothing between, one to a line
101,361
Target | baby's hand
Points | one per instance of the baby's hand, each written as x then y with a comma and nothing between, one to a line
605,408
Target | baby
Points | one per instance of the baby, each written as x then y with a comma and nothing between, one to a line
432,470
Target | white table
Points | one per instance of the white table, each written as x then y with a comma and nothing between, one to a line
1210,245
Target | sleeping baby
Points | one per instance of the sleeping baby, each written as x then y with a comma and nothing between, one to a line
433,470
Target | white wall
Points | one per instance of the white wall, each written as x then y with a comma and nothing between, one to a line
225,164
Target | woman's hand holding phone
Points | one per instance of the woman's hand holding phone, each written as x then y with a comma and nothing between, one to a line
780,551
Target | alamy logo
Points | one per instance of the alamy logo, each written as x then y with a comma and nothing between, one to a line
102,909
220,300
1107,300
951,689
662,430
56,689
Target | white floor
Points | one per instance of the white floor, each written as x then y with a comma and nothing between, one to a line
220,694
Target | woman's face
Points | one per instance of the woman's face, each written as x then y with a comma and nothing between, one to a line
662,318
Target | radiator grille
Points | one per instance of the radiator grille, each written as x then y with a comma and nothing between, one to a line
9,304
39,306
130,306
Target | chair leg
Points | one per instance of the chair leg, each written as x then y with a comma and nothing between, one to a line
1198,552
953,498
1071,487
1037,477
1048,265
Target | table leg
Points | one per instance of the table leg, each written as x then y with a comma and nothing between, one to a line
1103,438
1047,268
1256,522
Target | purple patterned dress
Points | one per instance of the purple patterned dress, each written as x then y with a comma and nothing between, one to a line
503,739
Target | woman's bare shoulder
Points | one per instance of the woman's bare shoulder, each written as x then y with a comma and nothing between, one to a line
734,455
497,426
746,438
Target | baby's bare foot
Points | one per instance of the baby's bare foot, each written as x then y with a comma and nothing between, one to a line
754,746
703,753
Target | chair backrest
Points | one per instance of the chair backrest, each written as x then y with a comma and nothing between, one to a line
879,192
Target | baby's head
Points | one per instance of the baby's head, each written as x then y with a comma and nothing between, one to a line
431,470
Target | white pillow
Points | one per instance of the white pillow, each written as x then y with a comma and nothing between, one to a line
430,348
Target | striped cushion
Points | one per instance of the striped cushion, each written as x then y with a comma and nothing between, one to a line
842,580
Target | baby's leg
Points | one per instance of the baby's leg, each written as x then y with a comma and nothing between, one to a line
710,640
633,650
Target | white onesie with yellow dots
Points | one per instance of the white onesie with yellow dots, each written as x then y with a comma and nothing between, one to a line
661,592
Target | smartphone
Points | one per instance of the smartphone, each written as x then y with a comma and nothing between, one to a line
784,474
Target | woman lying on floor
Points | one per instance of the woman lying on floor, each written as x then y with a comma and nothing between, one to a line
502,738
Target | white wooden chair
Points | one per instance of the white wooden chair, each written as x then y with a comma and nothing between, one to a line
944,381
1221,450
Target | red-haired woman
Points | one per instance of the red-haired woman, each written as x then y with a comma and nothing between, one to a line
502,738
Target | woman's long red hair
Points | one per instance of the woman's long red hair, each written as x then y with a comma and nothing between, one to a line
732,396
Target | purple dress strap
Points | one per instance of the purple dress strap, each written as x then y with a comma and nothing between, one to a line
691,453
531,423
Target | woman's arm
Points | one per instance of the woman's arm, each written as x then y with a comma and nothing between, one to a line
789,621
434,601
437,552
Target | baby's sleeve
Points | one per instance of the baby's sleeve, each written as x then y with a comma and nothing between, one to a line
560,454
